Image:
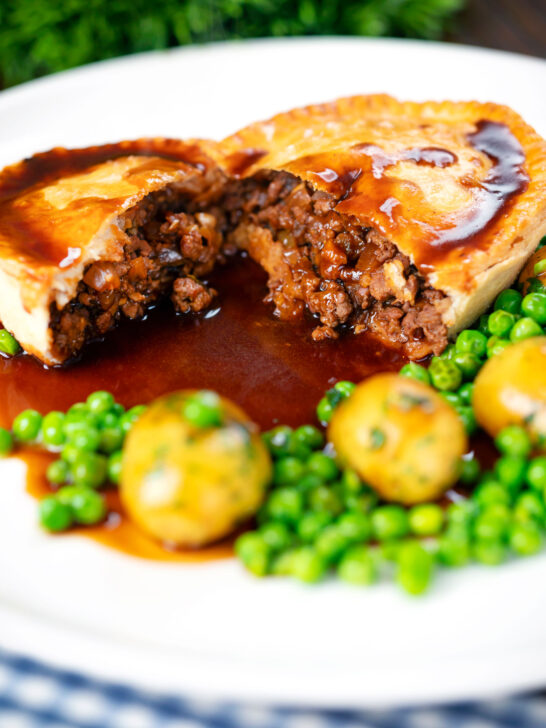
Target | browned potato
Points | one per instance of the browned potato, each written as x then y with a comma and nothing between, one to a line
401,437
511,389
191,485
529,270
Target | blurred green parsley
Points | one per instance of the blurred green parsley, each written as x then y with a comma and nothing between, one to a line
43,36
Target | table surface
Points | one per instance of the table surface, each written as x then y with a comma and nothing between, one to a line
510,25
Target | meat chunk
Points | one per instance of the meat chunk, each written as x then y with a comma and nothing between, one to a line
189,294
320,260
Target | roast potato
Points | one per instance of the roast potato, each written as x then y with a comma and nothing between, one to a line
401,437
511,389
191,484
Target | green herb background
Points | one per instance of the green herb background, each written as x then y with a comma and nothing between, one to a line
43,36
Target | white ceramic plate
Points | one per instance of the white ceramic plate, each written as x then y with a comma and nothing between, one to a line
210,630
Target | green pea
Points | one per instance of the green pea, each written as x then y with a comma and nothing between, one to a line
203,409
482,326
513,440
307,565
534,306
525,328
311,525
309,436
445,374
285,504
85,438
452,398
355,526
345,388
111,439
363,502
461,513
472,342
331,543
426,519
108,419
128,419
58,472
308,482
77,411
469,364
389,550
448,352
70,453
511,471
52,429
535,285
536,473
100,402
540,267
415,371
350,481
26,426
278,440
470,471
529,506
466,392
496,346
509,300
500,323
288,470
358,567
66,493
468,419
325,410
489,527
54,515
322,465
389,522
6,442
88,507
334,396
325,498
490,493
282,563
114,467
276,535
8,343
490,553
525,538
415,567
89,469
254,553
453,549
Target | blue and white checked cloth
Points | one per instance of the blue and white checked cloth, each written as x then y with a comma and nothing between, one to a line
33,695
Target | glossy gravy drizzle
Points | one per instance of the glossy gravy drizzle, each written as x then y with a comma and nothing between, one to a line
271,368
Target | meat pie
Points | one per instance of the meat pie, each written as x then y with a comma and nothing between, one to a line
405,219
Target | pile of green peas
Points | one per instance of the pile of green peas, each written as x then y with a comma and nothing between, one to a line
88,438
320,519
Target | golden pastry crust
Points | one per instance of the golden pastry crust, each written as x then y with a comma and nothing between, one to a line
425,176
64,209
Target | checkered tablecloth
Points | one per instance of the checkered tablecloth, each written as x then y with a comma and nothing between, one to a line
33,695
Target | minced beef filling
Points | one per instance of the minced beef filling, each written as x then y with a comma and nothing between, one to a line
346,275
166,254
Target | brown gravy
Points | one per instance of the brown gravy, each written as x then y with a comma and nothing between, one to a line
271,368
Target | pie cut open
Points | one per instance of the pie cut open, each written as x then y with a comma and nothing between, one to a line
368,214
91,236
406,219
